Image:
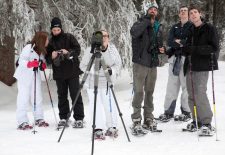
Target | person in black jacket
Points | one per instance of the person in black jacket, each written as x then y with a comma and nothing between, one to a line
63,51
146,45
203,45
177,41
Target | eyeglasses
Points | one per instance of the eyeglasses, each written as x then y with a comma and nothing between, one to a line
183,10
105,36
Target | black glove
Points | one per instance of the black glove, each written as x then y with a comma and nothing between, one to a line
109,70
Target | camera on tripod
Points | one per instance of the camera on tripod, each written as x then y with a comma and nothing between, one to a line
96,41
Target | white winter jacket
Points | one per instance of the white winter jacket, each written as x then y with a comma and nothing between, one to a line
22,72
112,60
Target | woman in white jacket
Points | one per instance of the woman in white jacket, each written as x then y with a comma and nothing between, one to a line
106,111
31,58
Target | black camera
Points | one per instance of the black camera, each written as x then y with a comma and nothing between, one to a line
60,57
96,41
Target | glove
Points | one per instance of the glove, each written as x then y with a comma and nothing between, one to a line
32,64
110,71
42,66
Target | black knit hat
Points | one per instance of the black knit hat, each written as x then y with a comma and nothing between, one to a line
56,22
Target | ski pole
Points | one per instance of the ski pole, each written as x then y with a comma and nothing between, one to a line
35,69
213,93
193,95
50,96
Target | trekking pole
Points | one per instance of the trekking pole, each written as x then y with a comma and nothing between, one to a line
213,92
193,95
50,96
35,69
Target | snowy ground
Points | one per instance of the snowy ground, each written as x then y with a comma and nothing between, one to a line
78,141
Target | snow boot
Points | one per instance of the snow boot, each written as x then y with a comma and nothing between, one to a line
62,123
98,134
24,126
41,123
112,132
78,124
206,130
137,129
182,117
165,117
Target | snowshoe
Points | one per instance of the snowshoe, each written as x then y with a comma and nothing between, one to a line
206,130
164,118
191,127
62,123
182,117
151,125
138,130
98,135
24,126
112,132
41,123
78,124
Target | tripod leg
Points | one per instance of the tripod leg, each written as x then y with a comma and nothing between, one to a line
96,77
114,96
76,98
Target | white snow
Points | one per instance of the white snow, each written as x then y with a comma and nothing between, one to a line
78,141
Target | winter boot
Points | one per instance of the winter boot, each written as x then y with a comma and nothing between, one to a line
41,123
191,127
78,124
150,124
206,130
182,117
98,134
112,132
165,117
62,123
137,129
24,126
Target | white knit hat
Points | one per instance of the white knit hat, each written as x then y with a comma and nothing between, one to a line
150,4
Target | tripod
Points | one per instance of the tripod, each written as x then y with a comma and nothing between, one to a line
96,56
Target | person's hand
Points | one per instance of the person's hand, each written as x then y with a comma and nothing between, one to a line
32,64
43,66
64,51
54,54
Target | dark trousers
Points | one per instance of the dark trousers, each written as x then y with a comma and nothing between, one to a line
63,103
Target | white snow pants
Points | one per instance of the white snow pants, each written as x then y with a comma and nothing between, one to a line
26,96
106,111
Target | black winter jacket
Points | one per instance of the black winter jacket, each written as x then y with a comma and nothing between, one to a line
178,32
68,68
146,39
203,42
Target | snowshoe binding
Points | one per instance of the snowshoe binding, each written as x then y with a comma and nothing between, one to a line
206,130
24,126
98,135
138,130
112,132
151,125
182,117
41,123
78,124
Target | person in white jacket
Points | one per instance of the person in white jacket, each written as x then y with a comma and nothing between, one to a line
106,111
31,58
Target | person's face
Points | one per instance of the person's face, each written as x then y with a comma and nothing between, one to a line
56,31
194,15
105,38
183,12
153,11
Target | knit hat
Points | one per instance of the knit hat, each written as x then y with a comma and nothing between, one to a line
56,22
150,4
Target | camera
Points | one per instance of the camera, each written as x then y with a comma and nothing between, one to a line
61,57
96,41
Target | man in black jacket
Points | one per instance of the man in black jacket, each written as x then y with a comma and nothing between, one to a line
177,41
204,45
146,44
63,51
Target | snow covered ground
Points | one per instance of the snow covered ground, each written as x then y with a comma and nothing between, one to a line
78,141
